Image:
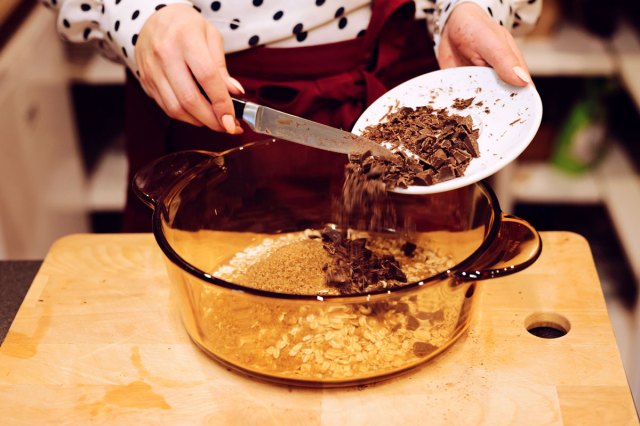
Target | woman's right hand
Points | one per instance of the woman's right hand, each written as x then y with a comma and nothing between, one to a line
176,45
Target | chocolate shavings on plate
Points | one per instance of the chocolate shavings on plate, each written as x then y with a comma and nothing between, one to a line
445,144
461,104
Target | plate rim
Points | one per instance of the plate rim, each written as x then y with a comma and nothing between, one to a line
464,180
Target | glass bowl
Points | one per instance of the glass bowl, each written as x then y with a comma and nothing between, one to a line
219,215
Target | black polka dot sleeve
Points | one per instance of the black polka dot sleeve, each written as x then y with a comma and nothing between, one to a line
113,25
518,16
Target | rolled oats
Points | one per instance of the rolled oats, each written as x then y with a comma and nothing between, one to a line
327,340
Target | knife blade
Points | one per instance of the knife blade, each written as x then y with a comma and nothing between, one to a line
269,121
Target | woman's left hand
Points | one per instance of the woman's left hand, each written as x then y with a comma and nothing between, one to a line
471,37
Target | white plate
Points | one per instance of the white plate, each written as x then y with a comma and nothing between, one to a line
508,117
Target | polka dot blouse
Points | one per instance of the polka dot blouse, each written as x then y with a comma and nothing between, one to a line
113,25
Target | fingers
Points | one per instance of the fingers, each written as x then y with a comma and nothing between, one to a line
500,54
446,56
206,65
523,72
188,95
169,102
471,37
450,56
156,86
179,54
216,49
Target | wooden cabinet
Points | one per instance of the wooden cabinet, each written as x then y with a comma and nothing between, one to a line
42,183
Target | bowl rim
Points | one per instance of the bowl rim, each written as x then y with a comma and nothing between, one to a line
209,279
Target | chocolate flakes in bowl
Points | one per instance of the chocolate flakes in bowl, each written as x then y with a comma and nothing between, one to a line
355,267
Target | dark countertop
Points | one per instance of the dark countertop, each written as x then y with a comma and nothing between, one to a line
15,280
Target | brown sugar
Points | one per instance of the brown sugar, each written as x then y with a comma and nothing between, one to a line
292,268
296,264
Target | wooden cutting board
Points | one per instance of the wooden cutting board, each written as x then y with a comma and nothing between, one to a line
98,340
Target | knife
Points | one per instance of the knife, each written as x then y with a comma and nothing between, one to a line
269,121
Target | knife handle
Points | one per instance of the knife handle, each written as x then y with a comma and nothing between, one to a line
238,107
247,112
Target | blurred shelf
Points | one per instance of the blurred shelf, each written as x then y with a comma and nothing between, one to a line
107,185
626,45
573,52
613,183
86,66
544,183
570,51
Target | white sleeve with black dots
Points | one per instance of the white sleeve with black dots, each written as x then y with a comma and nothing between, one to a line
245,24
114,25
518,16
111,24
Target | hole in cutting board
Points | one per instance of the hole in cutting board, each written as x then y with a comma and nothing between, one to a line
547,325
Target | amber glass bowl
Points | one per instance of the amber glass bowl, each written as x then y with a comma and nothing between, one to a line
209,207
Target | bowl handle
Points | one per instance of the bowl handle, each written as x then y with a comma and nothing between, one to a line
152,181
517,246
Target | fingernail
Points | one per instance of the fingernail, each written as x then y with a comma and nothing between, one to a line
522,74
239,129
229,123
237,84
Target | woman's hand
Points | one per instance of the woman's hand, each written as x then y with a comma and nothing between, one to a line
471,37
175,46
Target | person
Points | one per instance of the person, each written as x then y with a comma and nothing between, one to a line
326,60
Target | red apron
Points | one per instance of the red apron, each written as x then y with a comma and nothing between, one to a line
331,84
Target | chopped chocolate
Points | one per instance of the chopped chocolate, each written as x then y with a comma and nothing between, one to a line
421,349
437,159
434,147
461,104
460,156
412,323
408,248
431,316
356,268
442,142
402,308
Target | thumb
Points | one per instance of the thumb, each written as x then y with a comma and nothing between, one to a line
502,54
